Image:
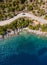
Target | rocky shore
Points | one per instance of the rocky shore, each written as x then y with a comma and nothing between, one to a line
10,34
37,32
13,33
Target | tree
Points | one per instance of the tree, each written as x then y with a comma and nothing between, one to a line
22,1
29,7
45,17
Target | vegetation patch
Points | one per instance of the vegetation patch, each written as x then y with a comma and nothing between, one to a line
22,23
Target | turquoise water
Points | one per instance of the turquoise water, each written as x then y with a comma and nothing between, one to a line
24,49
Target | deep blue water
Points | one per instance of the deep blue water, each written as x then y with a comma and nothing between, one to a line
24,49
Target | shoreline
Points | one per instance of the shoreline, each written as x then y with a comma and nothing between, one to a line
11,34
36,32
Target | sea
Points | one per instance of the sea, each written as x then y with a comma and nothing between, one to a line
23,49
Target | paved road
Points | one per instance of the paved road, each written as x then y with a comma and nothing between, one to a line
2,23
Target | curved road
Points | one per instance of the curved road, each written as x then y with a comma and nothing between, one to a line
2,23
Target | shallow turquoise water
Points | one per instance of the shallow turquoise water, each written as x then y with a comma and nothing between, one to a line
24,49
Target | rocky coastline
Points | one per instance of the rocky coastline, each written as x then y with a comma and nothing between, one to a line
15,33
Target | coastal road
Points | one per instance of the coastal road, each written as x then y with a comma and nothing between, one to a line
5,22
